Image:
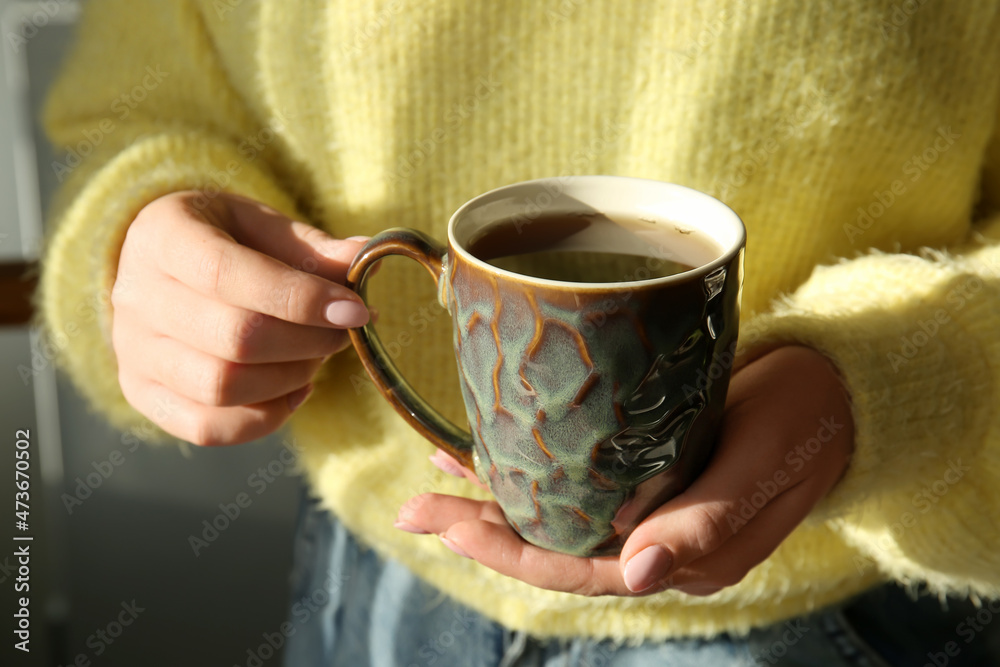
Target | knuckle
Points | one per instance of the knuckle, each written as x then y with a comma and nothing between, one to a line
154,221
312,236
236,334
136,392
122,295
142,225
208,428
131,283
119,293
218,381
292,300
128,388
705,529
578,576
213,270
588,584
202,432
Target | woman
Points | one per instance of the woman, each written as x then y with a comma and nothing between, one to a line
849,138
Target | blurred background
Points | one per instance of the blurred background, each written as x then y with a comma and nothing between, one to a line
115,526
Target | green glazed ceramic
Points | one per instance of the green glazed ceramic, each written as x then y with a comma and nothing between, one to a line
589,404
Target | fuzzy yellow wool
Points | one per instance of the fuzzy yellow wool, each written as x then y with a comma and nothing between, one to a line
848,136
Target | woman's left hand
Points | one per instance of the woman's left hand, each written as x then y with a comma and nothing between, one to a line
786,439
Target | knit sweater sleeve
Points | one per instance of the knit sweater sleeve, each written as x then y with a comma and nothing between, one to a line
915,337
142,108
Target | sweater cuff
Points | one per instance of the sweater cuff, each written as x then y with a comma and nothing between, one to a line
80,261
915,342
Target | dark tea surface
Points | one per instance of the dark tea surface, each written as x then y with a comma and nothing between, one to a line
592,248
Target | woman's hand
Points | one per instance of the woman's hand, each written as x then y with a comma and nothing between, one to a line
223,312
786,439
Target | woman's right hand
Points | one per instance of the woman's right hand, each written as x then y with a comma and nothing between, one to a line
224,309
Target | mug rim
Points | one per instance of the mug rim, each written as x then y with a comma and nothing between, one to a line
724,258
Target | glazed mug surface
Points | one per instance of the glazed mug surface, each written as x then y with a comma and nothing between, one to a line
589,404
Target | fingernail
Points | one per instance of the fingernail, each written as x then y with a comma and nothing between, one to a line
454,547
445,463
346,313
646,568
298,397
358,238
409,527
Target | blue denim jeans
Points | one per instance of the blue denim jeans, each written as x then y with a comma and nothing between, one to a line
351,608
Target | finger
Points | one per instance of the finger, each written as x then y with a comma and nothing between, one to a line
210,261
213,381
503,550
477,529
295,243
435,512
449,464
749,547
204,425
233,333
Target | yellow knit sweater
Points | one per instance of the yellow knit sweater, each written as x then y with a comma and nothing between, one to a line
850,136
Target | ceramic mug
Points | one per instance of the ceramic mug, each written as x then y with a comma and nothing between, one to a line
589,404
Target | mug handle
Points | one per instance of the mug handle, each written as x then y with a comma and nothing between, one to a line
380,367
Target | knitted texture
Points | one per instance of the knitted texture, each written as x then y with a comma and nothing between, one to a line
848,136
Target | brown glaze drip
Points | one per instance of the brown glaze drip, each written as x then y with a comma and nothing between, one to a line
640,330
475,318
534,499
541,443
619,409
495,328
540,417
581,346
583,515
588,384
479,415
535,339
600,482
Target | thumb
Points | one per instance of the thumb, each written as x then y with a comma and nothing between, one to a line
676,534
752,495
707,515
298,244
